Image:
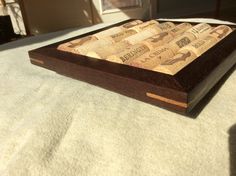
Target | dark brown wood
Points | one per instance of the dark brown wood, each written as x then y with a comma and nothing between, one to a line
123,85
217,11
181,92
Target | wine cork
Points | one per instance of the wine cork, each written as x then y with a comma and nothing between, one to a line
104,52
84,49
166,26
118,29
201,45
146,25
108,32
130,53
181,41
180,29
220,32
153,58
175,64
158,40
122,35
200,30
69,46
136,38
131,24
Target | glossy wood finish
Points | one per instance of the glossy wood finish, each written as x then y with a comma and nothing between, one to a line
181,92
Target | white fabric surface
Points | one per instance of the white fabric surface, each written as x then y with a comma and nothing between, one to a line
54,125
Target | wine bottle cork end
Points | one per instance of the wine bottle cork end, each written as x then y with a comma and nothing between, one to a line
131,24
220,32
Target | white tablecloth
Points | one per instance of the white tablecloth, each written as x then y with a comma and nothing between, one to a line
54,125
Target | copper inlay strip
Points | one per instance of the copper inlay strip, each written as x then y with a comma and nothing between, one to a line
37,60
167,100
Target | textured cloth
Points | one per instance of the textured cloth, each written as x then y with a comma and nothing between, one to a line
52,125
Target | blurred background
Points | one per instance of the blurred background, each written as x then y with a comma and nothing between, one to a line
21,18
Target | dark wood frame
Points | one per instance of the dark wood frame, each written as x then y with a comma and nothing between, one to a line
180,93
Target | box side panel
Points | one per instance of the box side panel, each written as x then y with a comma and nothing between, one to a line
167,98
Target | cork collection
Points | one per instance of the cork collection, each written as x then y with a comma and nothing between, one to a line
162,47
173,65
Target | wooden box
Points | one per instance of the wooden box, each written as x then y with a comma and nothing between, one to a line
181,92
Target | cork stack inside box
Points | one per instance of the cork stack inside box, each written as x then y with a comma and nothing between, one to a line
152,55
